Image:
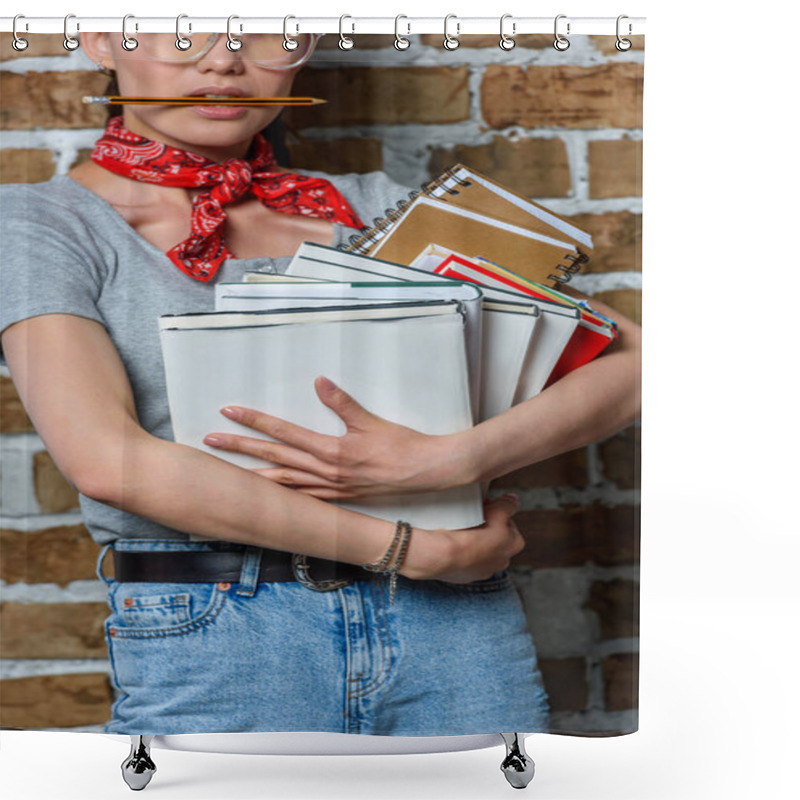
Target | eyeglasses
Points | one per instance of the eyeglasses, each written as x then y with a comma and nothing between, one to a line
265,50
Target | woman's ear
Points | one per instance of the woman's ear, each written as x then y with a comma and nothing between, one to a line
97,46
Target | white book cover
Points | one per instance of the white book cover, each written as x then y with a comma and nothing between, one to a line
411,369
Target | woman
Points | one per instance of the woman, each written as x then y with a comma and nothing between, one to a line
216,636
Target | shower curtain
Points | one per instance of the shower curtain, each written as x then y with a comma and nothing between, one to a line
561,127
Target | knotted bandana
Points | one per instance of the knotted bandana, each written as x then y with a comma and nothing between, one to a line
201,254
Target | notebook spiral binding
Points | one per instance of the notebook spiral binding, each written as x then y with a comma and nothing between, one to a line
363,242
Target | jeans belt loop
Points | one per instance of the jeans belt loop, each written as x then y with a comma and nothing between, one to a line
248,577
301,567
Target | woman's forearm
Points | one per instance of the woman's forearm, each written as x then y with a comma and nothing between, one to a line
585,406
194,492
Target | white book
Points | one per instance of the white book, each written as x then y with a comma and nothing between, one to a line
407,364
544,347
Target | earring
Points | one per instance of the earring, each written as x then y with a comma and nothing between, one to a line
101,68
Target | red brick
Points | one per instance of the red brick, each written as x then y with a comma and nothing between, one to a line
565,682
53,630
54,493
19,165
574,536
608,95
382,95
40,45
621,681
607,45
338,156
616,603
533,167
617,240
568,469
535,41
55,701
53,555
50,100
621,458
13,418
615,168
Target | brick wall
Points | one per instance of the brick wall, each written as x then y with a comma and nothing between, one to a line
565,129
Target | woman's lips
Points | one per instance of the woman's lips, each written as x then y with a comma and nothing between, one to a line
220,112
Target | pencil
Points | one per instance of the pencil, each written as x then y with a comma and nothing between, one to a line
202,101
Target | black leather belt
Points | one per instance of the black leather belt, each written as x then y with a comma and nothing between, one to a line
226,567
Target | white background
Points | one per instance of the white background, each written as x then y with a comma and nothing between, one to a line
720,537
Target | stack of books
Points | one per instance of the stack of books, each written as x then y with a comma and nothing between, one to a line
443,315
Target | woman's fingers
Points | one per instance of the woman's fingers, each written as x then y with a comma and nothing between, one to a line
352,413
274,452
319,444
506,505
307,483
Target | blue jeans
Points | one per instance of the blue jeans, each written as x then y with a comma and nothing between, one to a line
216,657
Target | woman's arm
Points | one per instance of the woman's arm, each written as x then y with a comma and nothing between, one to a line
76,391
377,457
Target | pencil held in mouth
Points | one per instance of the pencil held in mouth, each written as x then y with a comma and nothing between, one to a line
199,100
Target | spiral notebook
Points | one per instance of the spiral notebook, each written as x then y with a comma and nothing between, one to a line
466,211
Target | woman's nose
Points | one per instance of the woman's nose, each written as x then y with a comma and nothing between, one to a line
220,59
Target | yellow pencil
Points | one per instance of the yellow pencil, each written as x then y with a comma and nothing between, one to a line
202,101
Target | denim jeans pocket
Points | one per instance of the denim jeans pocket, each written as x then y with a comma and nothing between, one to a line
156,610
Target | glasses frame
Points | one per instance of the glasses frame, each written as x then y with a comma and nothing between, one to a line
215,37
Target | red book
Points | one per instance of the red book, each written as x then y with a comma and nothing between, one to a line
593,334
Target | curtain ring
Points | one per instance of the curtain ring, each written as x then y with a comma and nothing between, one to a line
128,42
234,45
506,42
623,45
451,42
289,43
345,42
70,42
400,42
560,43
18,44
181,42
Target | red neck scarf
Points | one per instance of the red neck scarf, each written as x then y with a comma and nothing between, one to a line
200,256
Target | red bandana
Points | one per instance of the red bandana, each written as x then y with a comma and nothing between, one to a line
200,256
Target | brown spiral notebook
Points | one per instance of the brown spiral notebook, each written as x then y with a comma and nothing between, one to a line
470,213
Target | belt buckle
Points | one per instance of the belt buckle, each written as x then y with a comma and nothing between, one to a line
300,568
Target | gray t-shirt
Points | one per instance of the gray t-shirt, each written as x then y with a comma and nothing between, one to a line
66,250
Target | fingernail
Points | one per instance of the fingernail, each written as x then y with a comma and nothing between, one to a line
230,411
327,383
214,441
511,496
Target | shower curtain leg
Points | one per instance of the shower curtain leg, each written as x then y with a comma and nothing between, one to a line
518,766
138,768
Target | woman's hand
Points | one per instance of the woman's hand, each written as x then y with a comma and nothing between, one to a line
374,456
467,555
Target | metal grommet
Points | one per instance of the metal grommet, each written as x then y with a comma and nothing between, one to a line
560,43
345,42
181,42
623,45
70,42
128,42
506,42
400,42
18,44
234,45
289,43
451,42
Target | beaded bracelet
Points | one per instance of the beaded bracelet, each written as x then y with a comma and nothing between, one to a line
393,558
